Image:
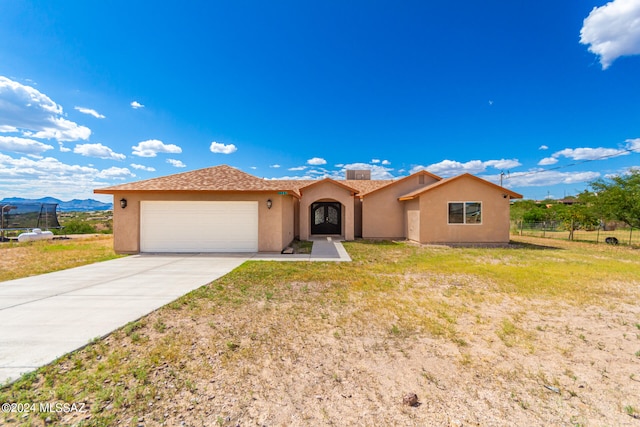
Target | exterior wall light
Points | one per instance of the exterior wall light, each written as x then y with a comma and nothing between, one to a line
269,203
123,203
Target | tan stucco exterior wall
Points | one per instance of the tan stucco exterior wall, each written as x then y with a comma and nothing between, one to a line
327,191
288,219
434,214
276,226
126,224
383,216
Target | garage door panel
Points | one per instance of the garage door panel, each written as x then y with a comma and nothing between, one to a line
198,226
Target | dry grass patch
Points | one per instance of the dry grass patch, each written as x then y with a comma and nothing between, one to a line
30,259
521,335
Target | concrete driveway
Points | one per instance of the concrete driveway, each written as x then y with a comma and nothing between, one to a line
44,317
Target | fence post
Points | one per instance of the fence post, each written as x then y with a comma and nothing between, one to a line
521,225
630,233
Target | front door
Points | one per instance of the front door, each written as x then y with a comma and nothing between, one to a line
326,218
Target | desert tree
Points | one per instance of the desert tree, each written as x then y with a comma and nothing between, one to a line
618,198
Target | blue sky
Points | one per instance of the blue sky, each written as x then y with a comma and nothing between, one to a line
96,94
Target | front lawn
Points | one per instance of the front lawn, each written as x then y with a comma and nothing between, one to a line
540,333
45,256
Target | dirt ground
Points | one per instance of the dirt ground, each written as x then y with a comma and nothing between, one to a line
557,366
303,358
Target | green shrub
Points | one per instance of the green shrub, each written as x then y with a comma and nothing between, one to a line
78,227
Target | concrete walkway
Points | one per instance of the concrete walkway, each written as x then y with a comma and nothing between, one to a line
44,317
326,248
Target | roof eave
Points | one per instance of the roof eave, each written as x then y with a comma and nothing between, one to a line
289,192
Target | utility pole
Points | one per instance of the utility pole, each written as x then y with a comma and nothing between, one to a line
502,174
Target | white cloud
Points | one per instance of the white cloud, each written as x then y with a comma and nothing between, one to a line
386,162
26,177
220,148
115,173
623,172
375,161
135,105
316,161
143,167
591,153
541,178
297,168
61,130
452,167
548,161
98,150
633,144
28,111
29,168
176,163
90,112
152,147
503,163
613,30
276,166
293,177
23,145
543,147
320,172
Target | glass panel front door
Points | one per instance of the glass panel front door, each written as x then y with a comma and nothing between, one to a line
326,218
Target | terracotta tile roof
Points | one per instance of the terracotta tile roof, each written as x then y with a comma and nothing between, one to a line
362,186
218,178
227,178
374,188
367,186
341,183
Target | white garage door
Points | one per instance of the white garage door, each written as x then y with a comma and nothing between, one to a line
198,226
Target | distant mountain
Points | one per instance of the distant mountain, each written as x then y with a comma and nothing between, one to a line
74,205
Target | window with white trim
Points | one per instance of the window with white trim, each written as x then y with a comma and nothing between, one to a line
465,213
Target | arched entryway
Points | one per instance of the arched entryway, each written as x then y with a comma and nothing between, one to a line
326,218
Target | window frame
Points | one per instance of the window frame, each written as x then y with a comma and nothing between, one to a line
464,212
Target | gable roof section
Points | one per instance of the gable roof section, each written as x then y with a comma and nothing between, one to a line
331,181
217,178
396,181
419,192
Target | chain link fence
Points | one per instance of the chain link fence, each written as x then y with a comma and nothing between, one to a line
606,233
